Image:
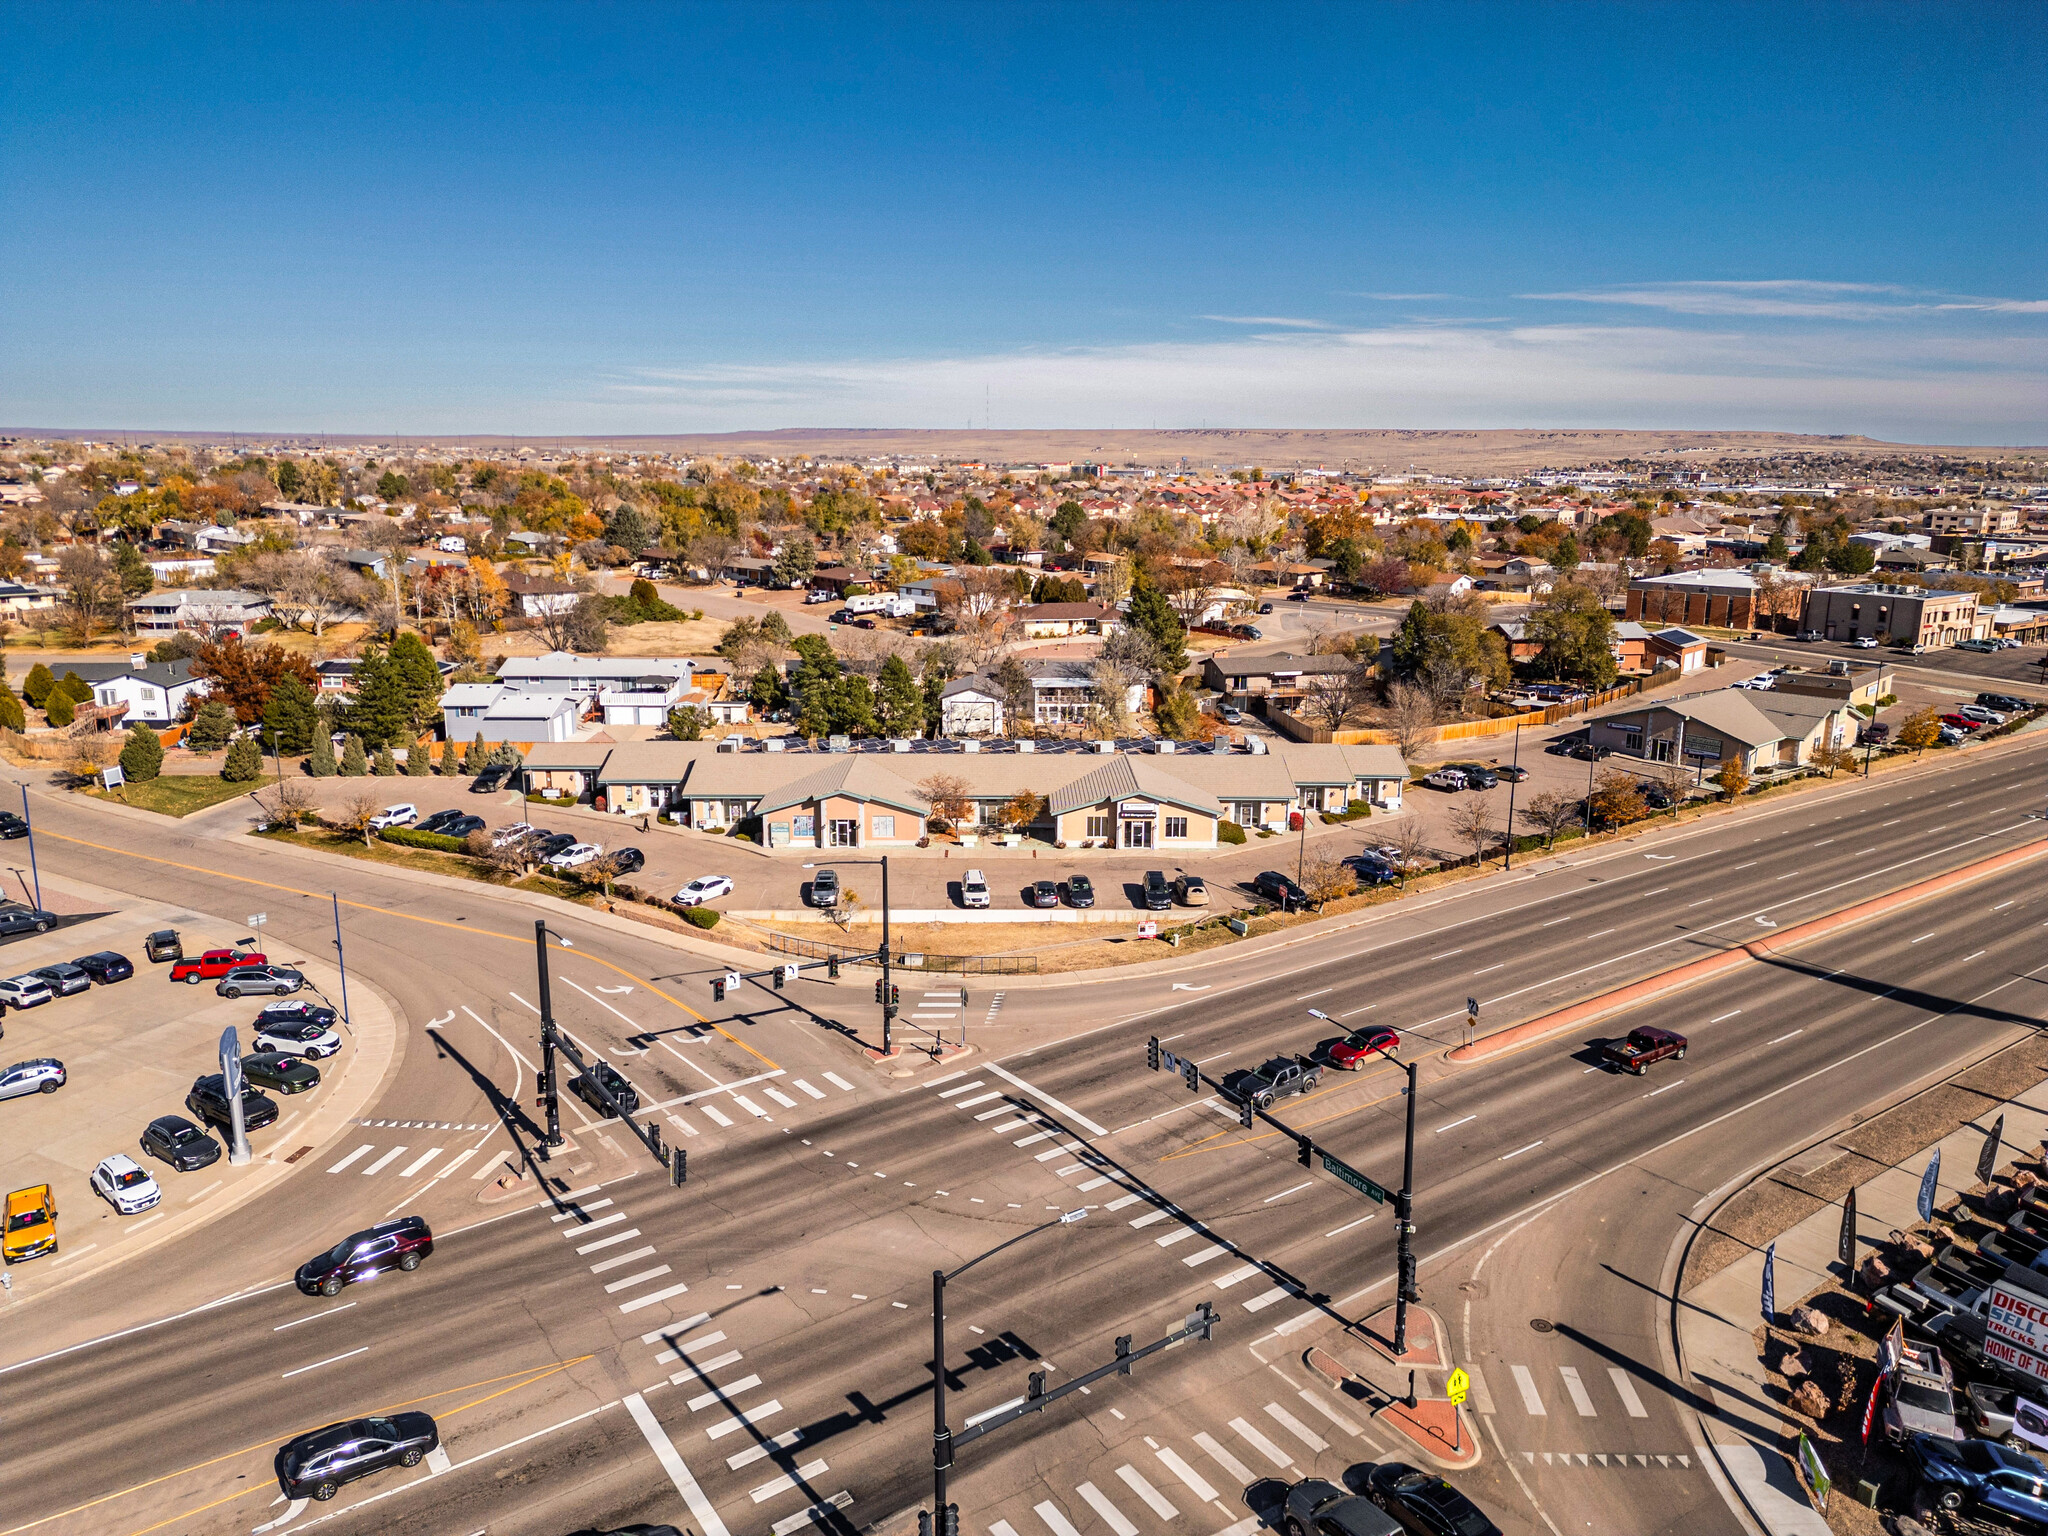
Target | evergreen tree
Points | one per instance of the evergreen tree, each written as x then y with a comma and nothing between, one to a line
12,715
385,766
765,691
212,724
290,716
244,764
58,708
899,705
419,760
320,753
505,755
475,758
418,680
142,758
447,763
936,675
853,706
1152,614
79,690
686,724
37,685
381,708
353,763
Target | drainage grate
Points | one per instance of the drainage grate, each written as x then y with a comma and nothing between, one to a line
298,1154
1542,1325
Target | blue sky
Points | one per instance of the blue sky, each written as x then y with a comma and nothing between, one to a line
551,219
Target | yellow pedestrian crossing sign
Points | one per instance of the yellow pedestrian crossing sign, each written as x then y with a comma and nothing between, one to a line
1456,1388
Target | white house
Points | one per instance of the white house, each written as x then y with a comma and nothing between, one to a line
207,610
154,691
530,717
566,672
463,706
643,701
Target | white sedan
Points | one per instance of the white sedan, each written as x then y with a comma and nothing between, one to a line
579,853
297,1037
125,1186
704,888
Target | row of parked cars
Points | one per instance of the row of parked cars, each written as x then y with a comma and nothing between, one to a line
1452,777
557,850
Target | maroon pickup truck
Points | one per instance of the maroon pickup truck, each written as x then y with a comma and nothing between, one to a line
1642,1047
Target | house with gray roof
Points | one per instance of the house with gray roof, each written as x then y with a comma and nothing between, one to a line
1765,732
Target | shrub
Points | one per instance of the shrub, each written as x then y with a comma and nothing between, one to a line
700,917
434,840
244,762
142,757
353,762
12,715
37,685
57,706
1229,832
77,687
212,725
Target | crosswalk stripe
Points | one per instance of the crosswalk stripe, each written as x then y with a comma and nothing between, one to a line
683,1125
672,1463
1625,1389
1149,1217
751,1107
1223,1458
580,1209
1204,1255
979,1098
1482,1395
1331,1414
754,1453
649,1300
1178,1235
687,1346
1122,1201
838,1082
1530,1400
738,1421
603,1242
963,1088
1266,1298
787,1481
1242,1272
1262,1445
781,1098
385,1161
701,1368
1581,1400
1112,1517
816,1093
1055,1519
711,1113
1091,1184
681,1325
1177,1465
642,1278
1135,1481
725,1391
359,1151
1034,1136
418,1163
457,1161
1002,1528
817,1514
624,1258
1296,1428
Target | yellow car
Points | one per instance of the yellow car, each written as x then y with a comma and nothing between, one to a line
31,1224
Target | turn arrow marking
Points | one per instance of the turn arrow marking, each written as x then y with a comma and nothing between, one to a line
445,1018
1181,986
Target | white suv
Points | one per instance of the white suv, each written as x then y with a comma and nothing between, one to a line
973,889
402,814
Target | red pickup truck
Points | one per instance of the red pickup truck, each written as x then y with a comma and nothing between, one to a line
209,965
1642,1047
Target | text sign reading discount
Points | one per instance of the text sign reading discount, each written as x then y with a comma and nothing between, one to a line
2018,1315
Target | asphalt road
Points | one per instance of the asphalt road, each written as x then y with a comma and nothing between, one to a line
815,1212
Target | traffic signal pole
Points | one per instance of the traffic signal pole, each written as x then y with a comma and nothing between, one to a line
889,992
1404,1230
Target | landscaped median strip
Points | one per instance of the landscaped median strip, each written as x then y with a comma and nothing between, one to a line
1698,970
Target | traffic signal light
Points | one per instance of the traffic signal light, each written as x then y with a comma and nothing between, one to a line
924,1522
678,1167
949,1520
1034,1386
1244,1113
718,989
1407,1275
1152,1053
880,994
895,996
1190,1076
1306,1149
777,974
832,966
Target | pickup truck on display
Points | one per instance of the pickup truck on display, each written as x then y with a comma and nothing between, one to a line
1920,1397
1281,1078
1642,1047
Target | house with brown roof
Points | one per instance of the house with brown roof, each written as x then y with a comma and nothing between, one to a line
533,596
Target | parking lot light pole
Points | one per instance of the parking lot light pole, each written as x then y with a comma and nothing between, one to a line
33,874
340,960
1508,853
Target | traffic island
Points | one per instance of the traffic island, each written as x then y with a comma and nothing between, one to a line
1433,1427
1424,1350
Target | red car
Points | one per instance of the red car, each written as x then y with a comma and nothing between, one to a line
215,963
1350,1052
1962,722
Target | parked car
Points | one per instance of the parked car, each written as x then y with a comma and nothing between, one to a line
45,1074
512,833
1477,775
1080,891
15,920
462,826
298,1011
1962,722
2004,701
1979,647
1280,1078
437,821
65,978
280,1070
626,860
1919,1397
825,888
1191,891
1424,1503
1976,1475
542,850
1588,752
974,889
175,1140
575,854
614,1083
208,1102
1865,642
1448,780
404,814
12,826
29,991
1511,773
124,1184
1371,869
492,779
1044,893
1265,608
105,967
1361,1045
278,980
707,888
212,964
1643,1046
1314,1507
401,1243
819,595
315,1465
1278,889
31,1224
1158,894
1980,713
1231,714
163,945
306,1037
1656,796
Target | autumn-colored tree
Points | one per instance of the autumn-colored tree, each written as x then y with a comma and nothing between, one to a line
243,675
1733,778
1618,798
1920,730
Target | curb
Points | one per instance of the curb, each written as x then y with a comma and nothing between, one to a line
1757,949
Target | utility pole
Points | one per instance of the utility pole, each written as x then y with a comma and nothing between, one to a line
1404,1212
1508,852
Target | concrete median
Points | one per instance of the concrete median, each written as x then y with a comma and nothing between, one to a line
1693,971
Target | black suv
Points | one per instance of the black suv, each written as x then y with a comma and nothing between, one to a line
398,1244
1276,887
626,860
208,1102
1158,893
2003,702
175,1140
1477,775
12,826
105,967
619,1088
315,1465
491,779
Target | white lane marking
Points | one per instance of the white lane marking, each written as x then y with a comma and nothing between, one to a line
1238,1471
963,1088
625,1258
291,1513
979,1098
1330,1413
815,1093
753,1415
418,1163
1046,1099
1296,1428
1518,1151
1368,1008
1783,1038
1665,1089
328,1361
1447,954
1262,1445
1286,1192
1055,1520
1455,1124
386,1160
711,1113
754,1453
1482,1395
705,1400
1348,1226
1134,1480
280,1328
838,1082
1501,966
1174,1463
1530,1400
359,1151
789,1480
1625,1389
1728,1015
640,1279
652,1297
781,1098
1581,1400
1110,1515
672,1463
605,1242
1967,958
1317,993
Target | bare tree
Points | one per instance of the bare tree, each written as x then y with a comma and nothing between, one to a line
287,804
947,793
91,586
1550,813
1472,819
1325,877
1190,595
1411,713
604,869
356,814
1333,698
1113,682
574,626
1411,845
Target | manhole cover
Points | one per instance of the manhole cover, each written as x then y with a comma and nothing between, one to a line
1542,1325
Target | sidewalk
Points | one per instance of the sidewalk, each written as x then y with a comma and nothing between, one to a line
1717,1322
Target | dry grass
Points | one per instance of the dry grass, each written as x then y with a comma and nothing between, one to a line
690,637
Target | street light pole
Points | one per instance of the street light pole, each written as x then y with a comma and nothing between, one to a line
1404,1211
31,848
340,960
1508,857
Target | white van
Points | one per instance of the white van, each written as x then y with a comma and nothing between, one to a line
973,889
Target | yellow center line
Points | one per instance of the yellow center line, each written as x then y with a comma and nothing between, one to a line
434,922
531,1373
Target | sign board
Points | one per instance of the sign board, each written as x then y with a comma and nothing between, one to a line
1987,1160
1472,1006
2015,1358
1168,1062
732,981
1458,1385
1354,1178
1770,1296
1148,930
789,973
258,919
1136,810
2017,1315
112,778
1845,1241
804,828
1930,1181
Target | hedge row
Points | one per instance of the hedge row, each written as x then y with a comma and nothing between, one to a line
434,840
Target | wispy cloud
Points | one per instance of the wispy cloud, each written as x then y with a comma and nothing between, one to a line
1280,322
1795,298
1403,298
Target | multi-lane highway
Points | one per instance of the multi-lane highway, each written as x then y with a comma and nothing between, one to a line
737,1354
